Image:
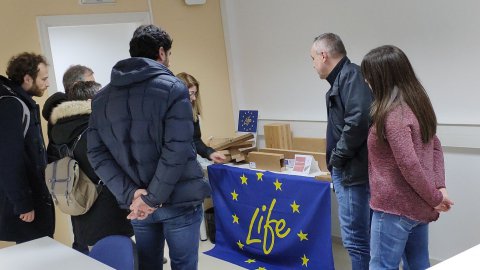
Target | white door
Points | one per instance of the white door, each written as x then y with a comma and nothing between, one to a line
97,41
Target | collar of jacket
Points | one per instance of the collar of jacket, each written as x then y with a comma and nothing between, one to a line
17,90
136,69
336,70
69,109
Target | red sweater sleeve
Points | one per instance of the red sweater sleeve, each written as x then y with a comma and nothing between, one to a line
402,140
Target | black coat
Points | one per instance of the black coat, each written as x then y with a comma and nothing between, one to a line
203,150
68,120
348,107
52,102
22,169
141,136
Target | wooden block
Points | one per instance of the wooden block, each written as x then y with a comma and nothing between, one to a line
216,141
239,157
226,152
245,144
267,161
309,144
234,152
230,142
290,154
228,159
278,135
248,150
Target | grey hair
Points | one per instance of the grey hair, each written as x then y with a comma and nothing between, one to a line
332,43
75,74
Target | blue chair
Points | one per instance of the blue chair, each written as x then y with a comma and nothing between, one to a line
116,251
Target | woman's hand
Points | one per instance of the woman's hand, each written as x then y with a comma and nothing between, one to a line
217,157
446,203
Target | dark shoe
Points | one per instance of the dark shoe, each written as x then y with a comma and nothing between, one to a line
165,260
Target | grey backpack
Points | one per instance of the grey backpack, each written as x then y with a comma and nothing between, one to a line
71,189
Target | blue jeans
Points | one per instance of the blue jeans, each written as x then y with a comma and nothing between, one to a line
180,227
395,236
354,216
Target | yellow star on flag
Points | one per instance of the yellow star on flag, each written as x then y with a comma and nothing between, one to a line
278,185
295,207
259,176
240,245
235,218
303,236
305,260
234,195
244,179
261,268
250,261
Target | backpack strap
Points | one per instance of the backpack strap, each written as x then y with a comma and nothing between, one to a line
76,142
26,114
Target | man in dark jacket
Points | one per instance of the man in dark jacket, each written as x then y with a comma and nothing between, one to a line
140,145
348,107
26,209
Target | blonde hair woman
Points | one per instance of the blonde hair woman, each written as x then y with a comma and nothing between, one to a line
194,92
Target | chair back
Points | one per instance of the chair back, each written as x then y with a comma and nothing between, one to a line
116,251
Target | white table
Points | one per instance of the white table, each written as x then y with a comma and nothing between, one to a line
46,253
467,260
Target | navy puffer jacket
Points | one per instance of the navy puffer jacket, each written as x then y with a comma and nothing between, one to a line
141,133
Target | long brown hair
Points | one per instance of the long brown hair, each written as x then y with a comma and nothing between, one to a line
190,81
393,81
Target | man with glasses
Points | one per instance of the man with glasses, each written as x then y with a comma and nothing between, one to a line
348,107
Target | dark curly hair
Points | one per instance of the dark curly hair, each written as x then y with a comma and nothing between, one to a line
24,64
83,90
147,40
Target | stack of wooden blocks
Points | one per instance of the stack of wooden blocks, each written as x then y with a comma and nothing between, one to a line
280,145
236,149
278,136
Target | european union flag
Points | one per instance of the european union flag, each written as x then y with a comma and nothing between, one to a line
247,121
268,221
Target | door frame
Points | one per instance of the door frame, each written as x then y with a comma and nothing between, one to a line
45,22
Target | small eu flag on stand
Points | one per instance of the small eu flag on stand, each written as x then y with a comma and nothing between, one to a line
247,121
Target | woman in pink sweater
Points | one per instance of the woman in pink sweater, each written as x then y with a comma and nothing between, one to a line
406,170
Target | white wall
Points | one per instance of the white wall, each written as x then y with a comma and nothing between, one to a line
270,40
458,229
268,45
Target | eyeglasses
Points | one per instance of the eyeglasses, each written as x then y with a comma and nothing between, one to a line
193,93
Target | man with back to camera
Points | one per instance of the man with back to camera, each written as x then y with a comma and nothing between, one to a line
348,107
26,208
72,75
140,144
